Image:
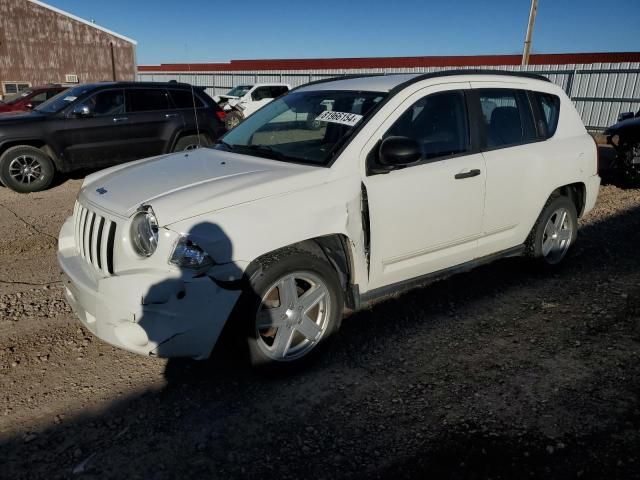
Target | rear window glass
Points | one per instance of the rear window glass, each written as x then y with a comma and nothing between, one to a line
185,99
144,100
549,108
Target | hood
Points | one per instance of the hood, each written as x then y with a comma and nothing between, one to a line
10,118
182,185
625,127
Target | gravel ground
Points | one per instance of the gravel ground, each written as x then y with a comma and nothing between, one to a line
504,372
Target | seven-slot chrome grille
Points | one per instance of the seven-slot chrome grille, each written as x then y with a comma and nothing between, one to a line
94,237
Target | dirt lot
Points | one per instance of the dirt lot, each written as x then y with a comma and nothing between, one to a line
504,372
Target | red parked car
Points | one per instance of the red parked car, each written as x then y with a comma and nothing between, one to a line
30,98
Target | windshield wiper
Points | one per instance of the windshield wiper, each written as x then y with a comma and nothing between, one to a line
266,149
225,144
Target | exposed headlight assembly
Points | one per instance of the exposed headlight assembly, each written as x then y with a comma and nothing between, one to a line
188,254
144,232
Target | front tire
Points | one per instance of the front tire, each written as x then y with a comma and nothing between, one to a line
26,169
555,231
293,306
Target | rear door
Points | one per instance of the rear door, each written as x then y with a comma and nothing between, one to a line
512,160
153,121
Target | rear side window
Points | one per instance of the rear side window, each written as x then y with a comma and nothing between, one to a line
145,100
261,93
438,122
549,112
277,90
507,117
185,99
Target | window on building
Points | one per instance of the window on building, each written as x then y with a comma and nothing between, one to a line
11,89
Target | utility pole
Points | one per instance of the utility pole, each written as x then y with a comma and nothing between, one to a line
527,40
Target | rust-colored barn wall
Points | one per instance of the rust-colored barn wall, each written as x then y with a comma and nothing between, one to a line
39,46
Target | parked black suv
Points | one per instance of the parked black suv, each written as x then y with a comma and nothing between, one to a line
102,124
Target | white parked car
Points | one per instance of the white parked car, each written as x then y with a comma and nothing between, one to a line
279,227
242,100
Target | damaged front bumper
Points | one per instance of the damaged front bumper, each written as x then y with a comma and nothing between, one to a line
161,313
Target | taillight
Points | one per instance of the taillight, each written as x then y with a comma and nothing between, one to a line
221,114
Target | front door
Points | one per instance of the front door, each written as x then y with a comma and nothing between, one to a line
428,216
92,137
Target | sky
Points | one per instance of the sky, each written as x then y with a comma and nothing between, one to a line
170,31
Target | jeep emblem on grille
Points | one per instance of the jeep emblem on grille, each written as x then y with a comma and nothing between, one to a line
101,190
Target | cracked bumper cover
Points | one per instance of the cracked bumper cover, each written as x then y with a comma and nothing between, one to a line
150,313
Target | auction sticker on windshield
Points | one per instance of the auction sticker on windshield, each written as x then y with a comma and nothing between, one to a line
342,118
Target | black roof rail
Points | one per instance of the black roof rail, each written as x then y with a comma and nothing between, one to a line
425,76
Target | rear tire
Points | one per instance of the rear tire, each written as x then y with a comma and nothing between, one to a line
233,119
554,232
191,142
26,169
293,305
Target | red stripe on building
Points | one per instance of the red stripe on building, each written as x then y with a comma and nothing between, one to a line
394,62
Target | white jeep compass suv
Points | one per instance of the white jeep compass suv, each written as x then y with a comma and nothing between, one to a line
278,228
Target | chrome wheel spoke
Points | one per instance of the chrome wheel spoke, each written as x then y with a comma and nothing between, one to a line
282,341
310,329
270,318
564,235
311,298
288,292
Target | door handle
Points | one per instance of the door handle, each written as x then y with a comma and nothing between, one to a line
119,119
471,173
170,115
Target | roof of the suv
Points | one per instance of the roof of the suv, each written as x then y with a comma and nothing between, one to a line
388,82
141,84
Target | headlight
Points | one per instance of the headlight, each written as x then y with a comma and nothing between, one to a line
189,255
144,232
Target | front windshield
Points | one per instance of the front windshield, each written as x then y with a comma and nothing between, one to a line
61,100
239,91
305,127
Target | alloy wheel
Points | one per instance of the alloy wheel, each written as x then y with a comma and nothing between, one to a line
25,169
293,316
557,236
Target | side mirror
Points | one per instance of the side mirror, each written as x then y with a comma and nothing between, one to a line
81,111
29,106
625,116
399,152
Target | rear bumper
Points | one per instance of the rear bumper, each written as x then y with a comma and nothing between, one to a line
149,313
592,187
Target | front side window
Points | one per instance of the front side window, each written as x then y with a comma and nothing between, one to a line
506,117
62,99
438,122
278,90
108,102
147,100
260,93
304,127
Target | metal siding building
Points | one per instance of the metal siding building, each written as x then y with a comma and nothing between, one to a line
601,84
40,44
